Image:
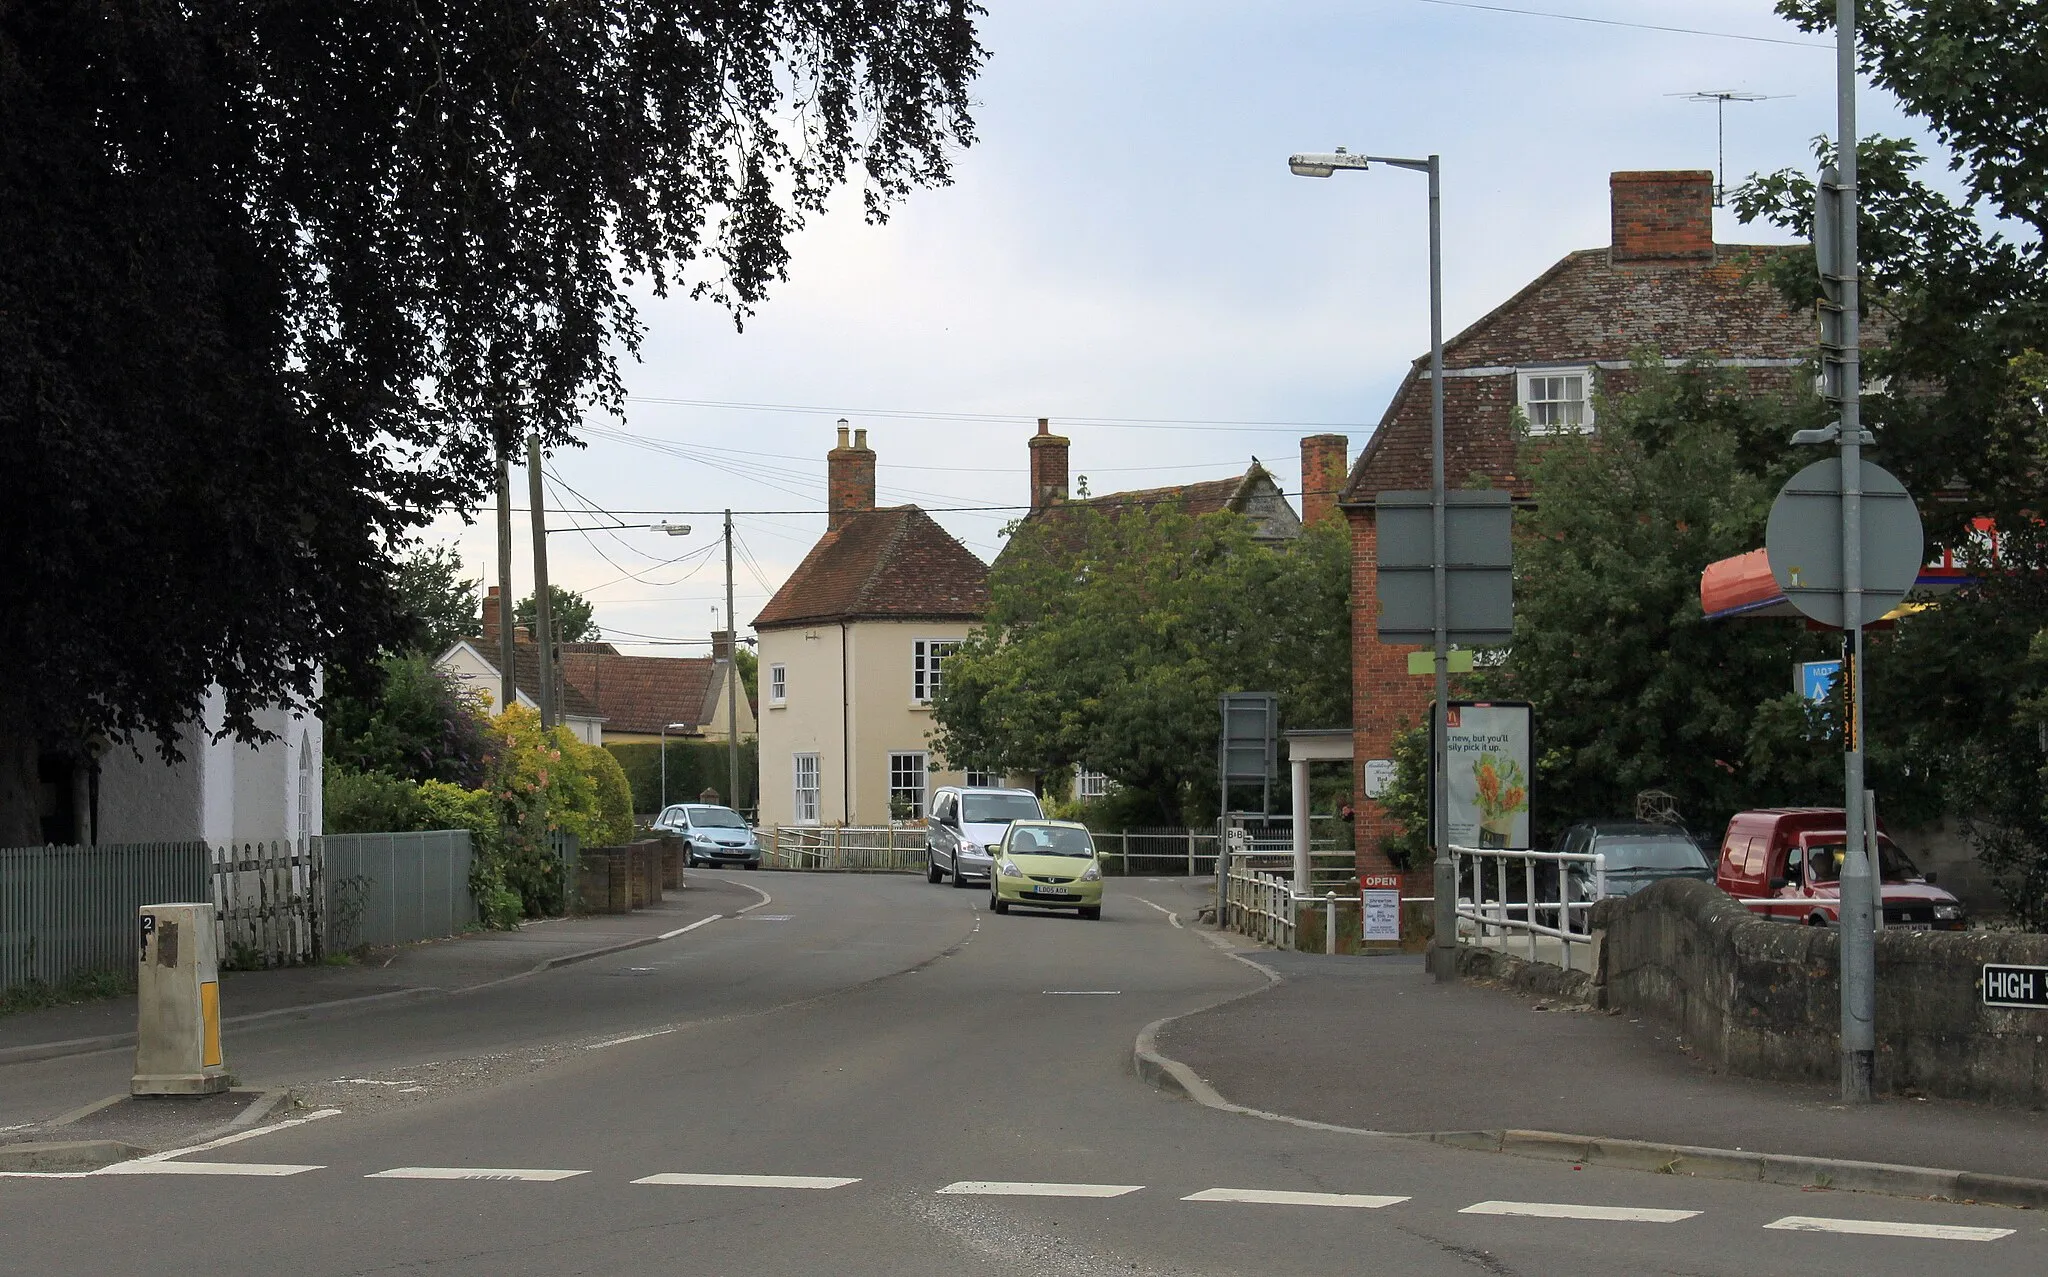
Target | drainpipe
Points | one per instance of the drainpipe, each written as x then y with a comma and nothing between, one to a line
845,734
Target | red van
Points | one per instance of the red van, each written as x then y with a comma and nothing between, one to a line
1794,854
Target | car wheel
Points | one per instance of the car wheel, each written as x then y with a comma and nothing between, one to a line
932,872
1092,914
999,904
959,878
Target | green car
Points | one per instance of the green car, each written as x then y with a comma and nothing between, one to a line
1048,864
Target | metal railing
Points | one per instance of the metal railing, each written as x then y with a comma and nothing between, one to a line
846,848
67,911
1489,881
1260,905
1159,853
390,889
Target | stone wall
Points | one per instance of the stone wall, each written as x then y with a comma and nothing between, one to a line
1761,998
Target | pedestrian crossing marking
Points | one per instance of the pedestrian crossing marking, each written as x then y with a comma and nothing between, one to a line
474,1172
1010,1188
1888,1228
688,1180
1274,1197
1569,1210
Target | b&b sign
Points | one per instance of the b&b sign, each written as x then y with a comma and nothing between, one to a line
2015,986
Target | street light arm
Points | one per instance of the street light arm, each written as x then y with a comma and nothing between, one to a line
1313,164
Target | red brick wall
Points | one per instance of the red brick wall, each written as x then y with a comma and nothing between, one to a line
1662,216
1384,699
1323,464
1049,453
849,478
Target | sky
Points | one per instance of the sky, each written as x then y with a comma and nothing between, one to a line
1124,251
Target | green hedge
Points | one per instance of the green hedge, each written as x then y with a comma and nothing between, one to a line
693,767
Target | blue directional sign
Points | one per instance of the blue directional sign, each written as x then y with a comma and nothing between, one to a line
1817,679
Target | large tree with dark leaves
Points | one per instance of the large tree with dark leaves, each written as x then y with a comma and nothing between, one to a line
280,279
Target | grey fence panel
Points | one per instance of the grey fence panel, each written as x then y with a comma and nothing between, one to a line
386,889
69,910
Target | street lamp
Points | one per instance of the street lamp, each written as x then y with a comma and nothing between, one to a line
1443,953
673,529
666,728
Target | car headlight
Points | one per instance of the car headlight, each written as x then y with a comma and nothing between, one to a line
1948,913
1009,869
1093,873
970,847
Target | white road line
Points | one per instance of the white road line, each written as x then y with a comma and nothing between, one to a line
630,1037
1003,1188
205,1168
1171,916
687,1180
1568,1210
670,935
473,1172
1889,1228
370,1081
1080,993
223,1141
1272,1197
765,898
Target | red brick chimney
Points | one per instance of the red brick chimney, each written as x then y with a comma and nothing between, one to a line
1322,475
849,477
1662,216
721,645
1048,466
493,622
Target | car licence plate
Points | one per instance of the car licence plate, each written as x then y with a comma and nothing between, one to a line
1909,926
1048,891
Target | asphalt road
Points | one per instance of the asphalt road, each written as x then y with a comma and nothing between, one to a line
952,1092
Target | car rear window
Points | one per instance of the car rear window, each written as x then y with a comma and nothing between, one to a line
1000,809
1670,852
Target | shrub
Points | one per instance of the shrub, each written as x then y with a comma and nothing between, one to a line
693,767
368,802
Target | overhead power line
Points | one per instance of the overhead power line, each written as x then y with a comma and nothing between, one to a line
1622,22
1010,418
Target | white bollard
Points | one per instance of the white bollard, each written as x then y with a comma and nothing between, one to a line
1330,922
177,995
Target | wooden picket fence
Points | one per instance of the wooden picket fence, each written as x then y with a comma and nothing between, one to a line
268,899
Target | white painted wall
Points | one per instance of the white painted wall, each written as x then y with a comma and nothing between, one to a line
222,791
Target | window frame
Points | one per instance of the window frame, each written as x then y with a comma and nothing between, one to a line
778,683
1585,424
982,778
927,666
816,791
1085,780
923,803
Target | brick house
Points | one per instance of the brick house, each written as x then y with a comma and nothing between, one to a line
1661,287
640,695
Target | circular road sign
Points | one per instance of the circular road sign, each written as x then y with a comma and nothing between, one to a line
1804,541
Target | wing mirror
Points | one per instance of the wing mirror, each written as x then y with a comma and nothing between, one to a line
1779,884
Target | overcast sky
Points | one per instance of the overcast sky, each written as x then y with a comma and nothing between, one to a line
1125,252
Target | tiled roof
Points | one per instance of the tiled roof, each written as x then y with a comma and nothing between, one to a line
892,563
1583,310
1255,493
644,693
602,649
526,677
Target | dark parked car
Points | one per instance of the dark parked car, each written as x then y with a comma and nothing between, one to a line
1637,854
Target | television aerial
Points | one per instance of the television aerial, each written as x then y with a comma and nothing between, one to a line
1721,98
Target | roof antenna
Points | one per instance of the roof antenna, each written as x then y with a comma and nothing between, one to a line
1721,98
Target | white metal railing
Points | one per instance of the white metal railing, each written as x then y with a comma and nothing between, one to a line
1260,905
1488,879
874,848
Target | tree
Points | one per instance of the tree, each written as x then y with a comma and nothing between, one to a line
1633,688
438,599
749,662
415,724
281,279
1109,639
570,612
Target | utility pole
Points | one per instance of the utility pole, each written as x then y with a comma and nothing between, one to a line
1859,879
508,685
543,633
732,680
1443,953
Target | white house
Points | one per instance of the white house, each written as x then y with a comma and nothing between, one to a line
474,664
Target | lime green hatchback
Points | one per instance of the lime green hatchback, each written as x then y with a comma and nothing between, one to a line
1048,864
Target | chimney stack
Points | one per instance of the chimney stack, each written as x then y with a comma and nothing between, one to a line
494,624
1048,466
1323,472
721,645
1662,217
849,477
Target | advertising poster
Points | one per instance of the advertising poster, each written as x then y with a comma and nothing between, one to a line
1487,763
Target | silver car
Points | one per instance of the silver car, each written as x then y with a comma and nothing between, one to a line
965,826
711,835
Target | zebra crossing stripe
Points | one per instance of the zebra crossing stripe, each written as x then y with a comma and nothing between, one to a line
474,1172
1888,1228
1274,1197
1010,1188
1569,1210
688,1180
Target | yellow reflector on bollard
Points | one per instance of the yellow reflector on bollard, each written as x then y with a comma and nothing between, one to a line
209,1021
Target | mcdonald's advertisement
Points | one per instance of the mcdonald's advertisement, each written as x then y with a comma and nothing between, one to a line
1488,764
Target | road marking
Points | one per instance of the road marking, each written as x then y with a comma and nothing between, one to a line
369,1081
126,1168
688,1180
1171,916
1080,993
1003,1188
1271,1197
204,1168
1568,1210
670,935
473,1172
1888,1228
765,898
630,1037
771,917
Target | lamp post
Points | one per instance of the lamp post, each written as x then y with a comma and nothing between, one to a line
1443,953
666,728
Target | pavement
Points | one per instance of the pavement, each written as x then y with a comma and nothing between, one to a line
874,1076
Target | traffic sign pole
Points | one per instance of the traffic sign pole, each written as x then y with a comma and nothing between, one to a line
1858,880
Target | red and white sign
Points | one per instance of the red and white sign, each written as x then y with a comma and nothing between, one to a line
1381,896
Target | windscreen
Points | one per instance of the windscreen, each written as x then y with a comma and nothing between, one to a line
1655,852
999,809
1827,862
1051,840
716,818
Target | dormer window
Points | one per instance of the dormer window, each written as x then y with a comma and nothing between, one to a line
1557,400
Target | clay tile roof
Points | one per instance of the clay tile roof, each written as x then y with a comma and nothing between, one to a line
893,563
526,677
643,693
1207,497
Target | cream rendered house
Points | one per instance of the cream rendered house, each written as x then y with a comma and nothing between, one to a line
853,646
